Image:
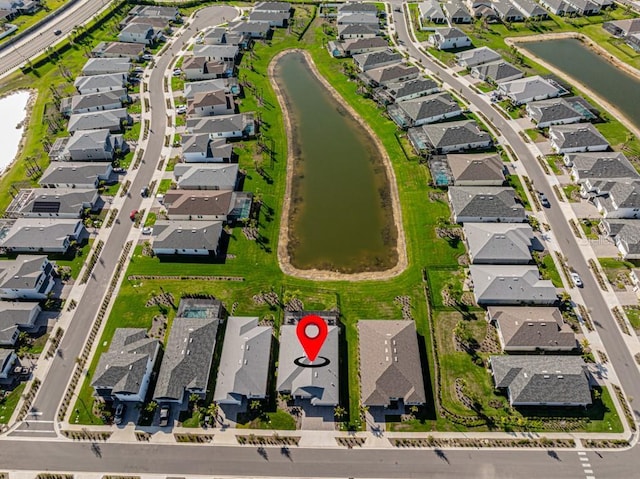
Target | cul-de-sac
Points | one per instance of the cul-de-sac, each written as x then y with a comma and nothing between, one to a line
317,239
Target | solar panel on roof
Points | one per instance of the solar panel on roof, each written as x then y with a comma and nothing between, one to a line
46,207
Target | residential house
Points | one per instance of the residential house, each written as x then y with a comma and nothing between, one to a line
259,30
188,356
625,234
524,90
476,169
496,72
241,125
448,137
228,85
76,174
124,371
558,7
449,39
420,111
318,385
392,74
499,243
542,380
456,12
507,11
8,359
159,24
189,238
244,363
205,148
15,316
88,145
111,120
357,18
364,45
52,203
369,61
477,56
614,199
273,7
577,138
634,41
220,53
103,66
599,166
93,102
273,19
221,36
411,89
511,285
155,11
390,366
206,177
200,68
141,33
585,7
531,329
132,51
530,9
358,7
28,277
622,28
485,204
42,235
556,111
200,205
100,83
211,103
349,31
430,11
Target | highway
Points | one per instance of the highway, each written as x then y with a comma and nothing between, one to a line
25,453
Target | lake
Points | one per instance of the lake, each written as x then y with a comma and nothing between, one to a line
12,113
340,216
615,86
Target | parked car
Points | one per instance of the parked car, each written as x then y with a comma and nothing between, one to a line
119,413
144,192
543,199
164,416
133,215
57,32
147,56
147,230
177,72
575,278
181,109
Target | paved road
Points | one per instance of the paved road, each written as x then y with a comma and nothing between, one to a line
245,461
32,45
54,385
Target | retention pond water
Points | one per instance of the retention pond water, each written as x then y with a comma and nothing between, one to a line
12,114
340,213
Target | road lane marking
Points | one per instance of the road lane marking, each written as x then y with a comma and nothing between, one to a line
588,471
582,453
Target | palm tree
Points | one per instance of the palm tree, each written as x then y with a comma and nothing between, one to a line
339,412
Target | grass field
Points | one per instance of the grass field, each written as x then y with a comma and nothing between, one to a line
9,403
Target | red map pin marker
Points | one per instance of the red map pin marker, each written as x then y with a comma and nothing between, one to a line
312,331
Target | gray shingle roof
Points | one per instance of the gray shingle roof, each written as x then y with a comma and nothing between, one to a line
46,233
190,235
226,84
357,7
359,43
485,202
99,66
68,200
498,71
390,365
522,89
202,143
626,232
581,135
187,359
430,106
13,315
357,29
411,87
602,165
430,10
273,6
198,202
555,109
392,73
476,167
121,369
542,379
98,120
206,176
367,61
477,56
277,17
529,327
23,272
76,172
244,363
495,243
511,284
95,100
320,384
107,81
219,124
454,133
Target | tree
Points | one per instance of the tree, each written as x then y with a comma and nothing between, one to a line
194,398
151,407
339,412
255,405
212,409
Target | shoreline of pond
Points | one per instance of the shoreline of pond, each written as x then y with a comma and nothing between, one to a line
284,258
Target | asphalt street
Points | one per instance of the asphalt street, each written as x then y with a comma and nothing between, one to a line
304,462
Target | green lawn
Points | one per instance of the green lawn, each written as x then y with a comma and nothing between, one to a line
165,185
133,132
588,226
76,262
151,219
553,161
9,403
485,87
572,192
514,182
177,84
548,270
633,313
535,135
279,420
616,270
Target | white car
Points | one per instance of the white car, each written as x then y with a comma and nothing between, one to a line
147,230
575,278
181,109
147,56
177,72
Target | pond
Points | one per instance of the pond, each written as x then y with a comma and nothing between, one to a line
12,114
340,215
615,86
